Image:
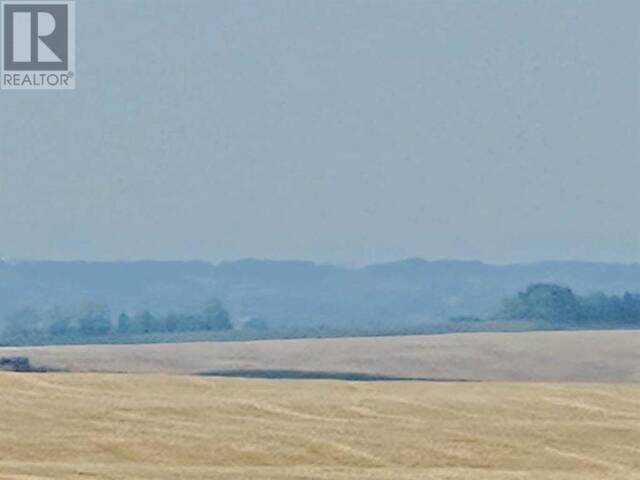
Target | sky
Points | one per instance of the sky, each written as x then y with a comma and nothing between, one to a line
338,131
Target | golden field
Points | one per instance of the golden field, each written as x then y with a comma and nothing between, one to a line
585,356
79,426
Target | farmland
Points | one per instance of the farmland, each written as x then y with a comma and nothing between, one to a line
70,426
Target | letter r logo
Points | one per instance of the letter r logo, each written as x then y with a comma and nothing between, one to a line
23,37
36,36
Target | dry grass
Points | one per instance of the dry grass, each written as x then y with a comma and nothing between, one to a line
72,426
596,356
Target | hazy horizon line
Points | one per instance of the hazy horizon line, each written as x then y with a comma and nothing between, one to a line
355,265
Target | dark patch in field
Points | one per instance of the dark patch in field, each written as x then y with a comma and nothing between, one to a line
318,375
15,364
21,365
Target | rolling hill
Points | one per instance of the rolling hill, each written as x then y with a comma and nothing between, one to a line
297,294
583,356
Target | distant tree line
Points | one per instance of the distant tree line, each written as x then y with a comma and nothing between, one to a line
560,305
96,319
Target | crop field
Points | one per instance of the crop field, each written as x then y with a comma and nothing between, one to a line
611,356
78,426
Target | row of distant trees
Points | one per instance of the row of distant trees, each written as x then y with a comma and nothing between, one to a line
97,319
560,305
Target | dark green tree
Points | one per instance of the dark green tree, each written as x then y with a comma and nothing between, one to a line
215,317
126,324
59,321
542,301
149,323
94,319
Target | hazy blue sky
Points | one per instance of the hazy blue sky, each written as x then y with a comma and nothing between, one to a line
340,131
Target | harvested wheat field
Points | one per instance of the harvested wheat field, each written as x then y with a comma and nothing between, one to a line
72,426
585,356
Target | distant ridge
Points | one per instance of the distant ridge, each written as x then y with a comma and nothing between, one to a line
296,293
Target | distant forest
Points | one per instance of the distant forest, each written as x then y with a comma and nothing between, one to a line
298,295
94,319
540,306
561,307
